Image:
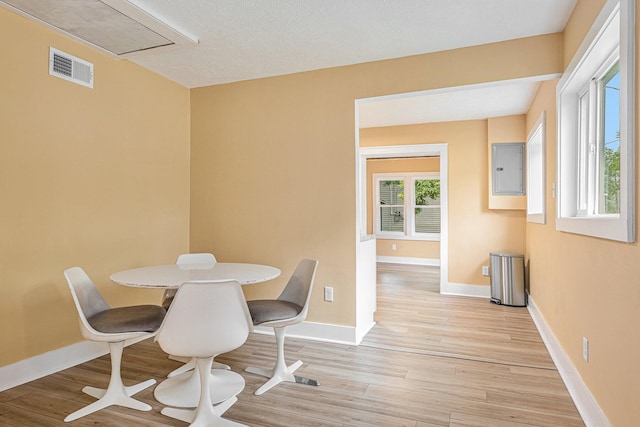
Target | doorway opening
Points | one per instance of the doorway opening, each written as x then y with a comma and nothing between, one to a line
439,151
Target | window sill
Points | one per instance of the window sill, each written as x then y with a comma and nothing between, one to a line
431,238
611,227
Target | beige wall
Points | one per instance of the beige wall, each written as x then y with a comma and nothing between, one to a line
404,248
583,15
97,178
474,230
271,182
584,286
408,249
273,163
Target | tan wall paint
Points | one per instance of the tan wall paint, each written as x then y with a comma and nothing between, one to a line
272,185
504,130
408,248
576,29
492,62
474,230
404,248
584,286
273,162
97,178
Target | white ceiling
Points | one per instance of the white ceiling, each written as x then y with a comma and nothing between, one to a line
249,39
240,40
466,103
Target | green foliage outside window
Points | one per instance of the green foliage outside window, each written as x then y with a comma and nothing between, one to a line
427,191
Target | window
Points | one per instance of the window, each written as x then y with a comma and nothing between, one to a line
599,144
536,171
596,130
407,206
391,205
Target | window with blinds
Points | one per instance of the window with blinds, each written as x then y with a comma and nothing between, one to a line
407,206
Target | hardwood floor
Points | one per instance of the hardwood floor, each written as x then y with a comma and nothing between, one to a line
413,316
431,360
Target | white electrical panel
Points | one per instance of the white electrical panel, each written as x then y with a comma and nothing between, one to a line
508,168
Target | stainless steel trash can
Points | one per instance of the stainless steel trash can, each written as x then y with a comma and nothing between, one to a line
507,279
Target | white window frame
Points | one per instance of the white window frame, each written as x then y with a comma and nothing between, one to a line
612,36
376,207
409,232
537,171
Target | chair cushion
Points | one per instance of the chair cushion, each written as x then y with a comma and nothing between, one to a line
137,318
269,310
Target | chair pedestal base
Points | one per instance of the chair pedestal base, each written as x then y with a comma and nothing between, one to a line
275,378
204,417
206,414
280,372
116,393
183,391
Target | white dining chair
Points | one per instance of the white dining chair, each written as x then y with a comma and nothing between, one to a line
189,261
204,320
99,322
288,309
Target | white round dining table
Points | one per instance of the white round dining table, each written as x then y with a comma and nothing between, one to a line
184,390
173,275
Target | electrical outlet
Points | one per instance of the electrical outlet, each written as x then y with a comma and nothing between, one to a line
485,270
585,349
328,293
393,247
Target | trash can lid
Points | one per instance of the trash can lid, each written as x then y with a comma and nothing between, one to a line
507,254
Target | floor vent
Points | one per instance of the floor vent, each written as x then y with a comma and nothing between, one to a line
70,68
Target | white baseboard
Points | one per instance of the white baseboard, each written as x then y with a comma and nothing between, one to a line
408,260
476,291
587,405
317,332
51,362
362,330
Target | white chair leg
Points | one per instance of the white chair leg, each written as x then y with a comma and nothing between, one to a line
116,393
179,358
190,364
205,415
280,372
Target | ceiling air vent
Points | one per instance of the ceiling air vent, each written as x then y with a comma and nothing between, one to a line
119,27
70,68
